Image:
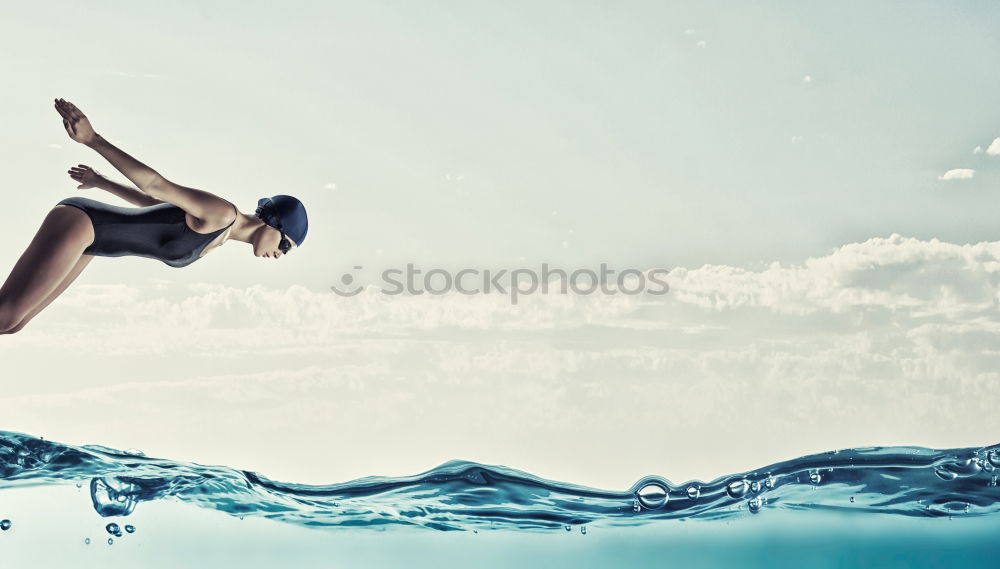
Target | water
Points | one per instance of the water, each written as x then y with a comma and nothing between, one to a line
459,495
901,495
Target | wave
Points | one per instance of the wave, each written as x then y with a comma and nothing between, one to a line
462,495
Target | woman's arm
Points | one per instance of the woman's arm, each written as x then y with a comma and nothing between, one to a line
78,128
131,195
199,203
141,175
90,178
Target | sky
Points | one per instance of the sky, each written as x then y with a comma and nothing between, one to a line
820,179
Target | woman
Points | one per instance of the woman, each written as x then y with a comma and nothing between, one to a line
174,224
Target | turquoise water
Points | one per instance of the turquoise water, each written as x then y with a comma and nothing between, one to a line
901,506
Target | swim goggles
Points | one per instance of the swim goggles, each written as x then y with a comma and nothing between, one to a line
271,212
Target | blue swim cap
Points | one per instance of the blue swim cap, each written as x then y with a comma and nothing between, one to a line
285,213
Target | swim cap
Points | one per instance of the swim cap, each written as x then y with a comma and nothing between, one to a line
286,214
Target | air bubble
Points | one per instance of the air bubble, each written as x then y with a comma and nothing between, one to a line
693,492
583,530
769,481
568,527
113,529
755,486
651,496
112,497
635,506
754,504
815,477
111,540
738,488
130,529
852,499
5,525
86,541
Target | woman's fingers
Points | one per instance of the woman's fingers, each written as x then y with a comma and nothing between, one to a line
76,113
69,123
68,110
62,108
62,112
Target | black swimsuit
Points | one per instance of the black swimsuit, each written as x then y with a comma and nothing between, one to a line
157,232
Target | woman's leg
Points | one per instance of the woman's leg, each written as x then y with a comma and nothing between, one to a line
50,257
77,269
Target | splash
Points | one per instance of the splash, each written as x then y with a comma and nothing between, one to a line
461,495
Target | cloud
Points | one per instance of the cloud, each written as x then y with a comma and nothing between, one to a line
896,277
883,336
702,43
330,186
977,150
55,146
958,174
994,148
807,79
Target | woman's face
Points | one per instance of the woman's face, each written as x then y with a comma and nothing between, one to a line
266,243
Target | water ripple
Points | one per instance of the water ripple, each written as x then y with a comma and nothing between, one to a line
461,495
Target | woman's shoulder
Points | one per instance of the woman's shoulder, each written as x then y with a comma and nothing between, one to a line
216,220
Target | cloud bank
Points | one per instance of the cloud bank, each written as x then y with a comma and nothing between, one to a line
884,339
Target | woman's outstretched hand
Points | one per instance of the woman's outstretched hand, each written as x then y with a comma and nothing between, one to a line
76,123
87,176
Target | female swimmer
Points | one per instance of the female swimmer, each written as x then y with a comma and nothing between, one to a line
172,223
